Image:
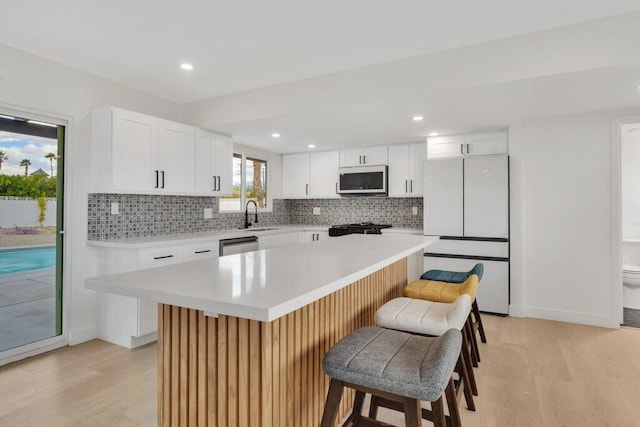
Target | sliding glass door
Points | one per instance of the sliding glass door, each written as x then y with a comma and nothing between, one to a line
31,208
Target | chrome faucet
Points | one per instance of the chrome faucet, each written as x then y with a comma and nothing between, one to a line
247,224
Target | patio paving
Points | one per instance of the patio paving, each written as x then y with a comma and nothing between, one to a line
27,307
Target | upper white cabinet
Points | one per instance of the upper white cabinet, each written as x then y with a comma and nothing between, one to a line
213,164
364,156
406,170
310,175
137,153
440,147
176,153
467,197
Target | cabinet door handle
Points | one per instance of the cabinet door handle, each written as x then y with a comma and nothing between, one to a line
156,179
467,148
219,185
336,188
162,179
317,237
214,183
411,186
359,160
462,149
306,189
203,252
406,186
163,257
364,160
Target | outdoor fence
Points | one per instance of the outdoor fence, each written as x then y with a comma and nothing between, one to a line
24,212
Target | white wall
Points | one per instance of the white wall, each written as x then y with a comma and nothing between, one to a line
630,145
562,220
32,84
25,213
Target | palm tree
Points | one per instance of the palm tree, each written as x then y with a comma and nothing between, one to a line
3,157
25,163
51,156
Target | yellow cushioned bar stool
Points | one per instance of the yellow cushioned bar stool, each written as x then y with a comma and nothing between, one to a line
437,291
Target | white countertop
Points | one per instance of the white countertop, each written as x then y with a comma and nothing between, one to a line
186,238
266,284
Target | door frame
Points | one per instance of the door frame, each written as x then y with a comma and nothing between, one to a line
617,312
32,349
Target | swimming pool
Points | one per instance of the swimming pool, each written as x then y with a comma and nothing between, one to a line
24,259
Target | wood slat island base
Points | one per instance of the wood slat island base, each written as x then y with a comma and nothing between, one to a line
229,371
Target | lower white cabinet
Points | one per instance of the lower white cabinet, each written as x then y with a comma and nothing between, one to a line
277,240
132,322
314,236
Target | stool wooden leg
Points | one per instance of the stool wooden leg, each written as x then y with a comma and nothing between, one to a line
472,343
466,356
437,411
331,407
356,413
413,413
474,339
452,403
373,407
476,314
466,383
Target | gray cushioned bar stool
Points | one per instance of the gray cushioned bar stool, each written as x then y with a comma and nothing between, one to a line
397,366
433,319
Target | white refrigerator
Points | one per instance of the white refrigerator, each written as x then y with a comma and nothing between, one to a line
466,204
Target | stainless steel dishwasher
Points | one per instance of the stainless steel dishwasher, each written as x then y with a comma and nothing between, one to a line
238,245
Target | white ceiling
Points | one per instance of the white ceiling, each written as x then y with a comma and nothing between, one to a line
241,45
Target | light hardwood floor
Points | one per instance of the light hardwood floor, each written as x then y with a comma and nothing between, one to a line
533,373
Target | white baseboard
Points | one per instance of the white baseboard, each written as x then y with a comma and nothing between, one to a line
83,335
566,316
516,311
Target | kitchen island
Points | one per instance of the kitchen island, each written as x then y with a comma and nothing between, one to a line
241,338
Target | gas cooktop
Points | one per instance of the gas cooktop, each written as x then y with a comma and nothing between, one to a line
361,228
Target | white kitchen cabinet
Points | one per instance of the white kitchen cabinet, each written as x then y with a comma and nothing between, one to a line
467,197
478,144
295,175
213,164
368,156
270,241
200,251
315,236
406,170
310,175
136,153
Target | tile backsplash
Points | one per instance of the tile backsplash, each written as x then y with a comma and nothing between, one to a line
155,215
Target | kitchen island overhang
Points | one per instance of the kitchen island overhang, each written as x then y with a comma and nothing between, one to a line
266,284
278,312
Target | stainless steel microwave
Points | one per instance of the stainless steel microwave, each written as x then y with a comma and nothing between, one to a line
363,180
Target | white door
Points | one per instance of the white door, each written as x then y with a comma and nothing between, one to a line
176,154
295,175
493,289
399,177
352,157
224,165
441,147
205,180
486,143
443,197
486,196
417,158
375,156
323,174
134,151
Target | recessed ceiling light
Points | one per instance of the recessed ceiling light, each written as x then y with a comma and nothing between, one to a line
275,135
433,134
186,66
311,145
35,122
418,118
